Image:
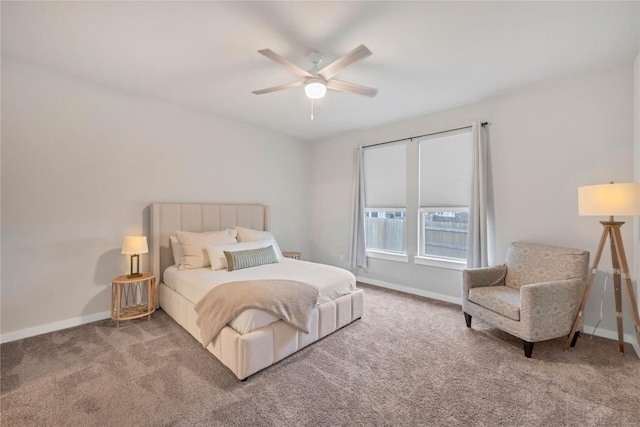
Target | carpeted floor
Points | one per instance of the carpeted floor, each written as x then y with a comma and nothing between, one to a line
410,361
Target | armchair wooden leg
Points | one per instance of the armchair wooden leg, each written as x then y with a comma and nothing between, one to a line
467,318
528,348
575,338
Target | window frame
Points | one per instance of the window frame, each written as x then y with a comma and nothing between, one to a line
414,208
435,260
386,254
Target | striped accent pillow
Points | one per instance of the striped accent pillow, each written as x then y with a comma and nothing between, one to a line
237,260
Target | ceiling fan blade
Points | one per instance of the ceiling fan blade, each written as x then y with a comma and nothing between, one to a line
340,64
277,88
288,64
352,88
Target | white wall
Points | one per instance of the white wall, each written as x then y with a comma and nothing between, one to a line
80,165
545,141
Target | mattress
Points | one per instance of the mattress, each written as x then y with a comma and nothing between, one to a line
331,282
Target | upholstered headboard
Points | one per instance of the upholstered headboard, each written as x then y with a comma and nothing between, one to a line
167,218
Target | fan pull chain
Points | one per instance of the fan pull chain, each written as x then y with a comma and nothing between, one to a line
315,103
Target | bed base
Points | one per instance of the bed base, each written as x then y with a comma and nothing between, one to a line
247,354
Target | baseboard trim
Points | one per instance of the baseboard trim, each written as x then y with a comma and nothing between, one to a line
604,333
613,335
409,290
51,327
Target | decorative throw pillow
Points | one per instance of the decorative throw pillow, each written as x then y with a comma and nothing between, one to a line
250,235
216,252
237,260
194,246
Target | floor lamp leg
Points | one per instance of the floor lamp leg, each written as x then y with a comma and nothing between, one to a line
617,285
585,296
620,252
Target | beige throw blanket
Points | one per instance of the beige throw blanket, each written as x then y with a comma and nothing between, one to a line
291,301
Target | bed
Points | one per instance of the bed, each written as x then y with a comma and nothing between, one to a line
261,341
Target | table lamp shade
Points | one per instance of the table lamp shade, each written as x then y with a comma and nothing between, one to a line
133,245
620,199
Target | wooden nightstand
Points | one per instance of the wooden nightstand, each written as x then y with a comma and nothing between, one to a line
124,302
292,255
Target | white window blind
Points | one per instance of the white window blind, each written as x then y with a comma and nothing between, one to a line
385,176
445,170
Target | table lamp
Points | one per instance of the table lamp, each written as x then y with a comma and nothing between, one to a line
611,200
134,246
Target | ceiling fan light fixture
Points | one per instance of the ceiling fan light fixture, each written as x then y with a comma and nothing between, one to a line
317,81
315,88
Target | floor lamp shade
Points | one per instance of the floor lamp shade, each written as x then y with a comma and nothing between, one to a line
134,246
620,199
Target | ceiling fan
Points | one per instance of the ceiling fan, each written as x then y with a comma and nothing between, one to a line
316,82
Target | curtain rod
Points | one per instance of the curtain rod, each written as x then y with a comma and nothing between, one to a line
420,136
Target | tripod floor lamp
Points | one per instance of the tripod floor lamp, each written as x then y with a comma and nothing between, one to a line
611,200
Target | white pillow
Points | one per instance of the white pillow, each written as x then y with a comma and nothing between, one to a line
194,246
249,235
219,261
175,248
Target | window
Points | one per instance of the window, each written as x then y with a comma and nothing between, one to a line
444,232
445,186
427,180
385,197
385,230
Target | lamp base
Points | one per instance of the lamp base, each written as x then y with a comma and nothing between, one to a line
135,273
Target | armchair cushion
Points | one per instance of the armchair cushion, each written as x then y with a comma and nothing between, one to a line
499,299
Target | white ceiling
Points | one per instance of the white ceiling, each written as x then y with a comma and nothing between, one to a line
427,56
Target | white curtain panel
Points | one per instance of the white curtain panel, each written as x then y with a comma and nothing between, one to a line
477,253
358,251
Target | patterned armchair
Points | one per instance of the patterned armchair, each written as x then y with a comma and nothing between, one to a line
535,295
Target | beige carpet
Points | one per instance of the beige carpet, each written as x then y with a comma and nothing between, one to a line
409,362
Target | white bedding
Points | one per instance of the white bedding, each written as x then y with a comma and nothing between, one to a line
332,282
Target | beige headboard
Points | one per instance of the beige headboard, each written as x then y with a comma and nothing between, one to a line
197,217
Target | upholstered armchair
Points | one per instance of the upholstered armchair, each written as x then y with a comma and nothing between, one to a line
535,295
